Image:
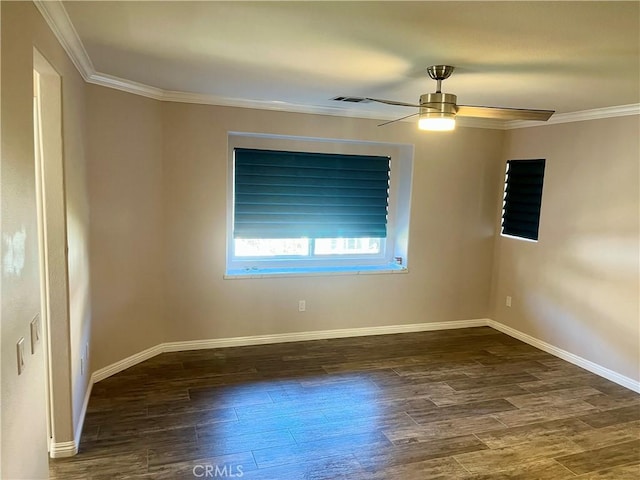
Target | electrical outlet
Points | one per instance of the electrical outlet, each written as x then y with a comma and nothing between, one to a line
35,333
508,301
302,305
20,355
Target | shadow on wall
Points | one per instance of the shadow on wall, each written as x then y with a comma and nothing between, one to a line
579,287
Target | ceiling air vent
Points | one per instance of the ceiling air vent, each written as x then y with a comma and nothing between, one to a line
351,99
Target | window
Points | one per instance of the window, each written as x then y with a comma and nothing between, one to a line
522,198
316,206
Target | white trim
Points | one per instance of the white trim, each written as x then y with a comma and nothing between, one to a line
124,85
136,88
568,356
595,114
310,273
593,367
125,363
52,212
515,237
63,449
69,449
320,335
83,413
60,24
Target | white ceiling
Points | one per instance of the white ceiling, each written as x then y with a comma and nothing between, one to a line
565,56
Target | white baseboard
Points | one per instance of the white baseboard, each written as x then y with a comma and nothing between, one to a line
319,335
121,365
615,377
125,363
63,449
70,448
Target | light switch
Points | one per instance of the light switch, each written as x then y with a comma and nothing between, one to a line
35,333
20,352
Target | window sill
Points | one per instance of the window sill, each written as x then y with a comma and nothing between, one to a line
506,235
314,271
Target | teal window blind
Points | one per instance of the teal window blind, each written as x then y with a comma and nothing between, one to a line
279,194
523,198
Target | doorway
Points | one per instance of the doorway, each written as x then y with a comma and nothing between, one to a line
52,248
42,251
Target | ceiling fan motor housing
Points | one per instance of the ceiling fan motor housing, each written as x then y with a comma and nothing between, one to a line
438,104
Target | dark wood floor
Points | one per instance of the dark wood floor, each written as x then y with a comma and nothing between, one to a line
457,404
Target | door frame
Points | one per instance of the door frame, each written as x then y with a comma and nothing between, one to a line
53,251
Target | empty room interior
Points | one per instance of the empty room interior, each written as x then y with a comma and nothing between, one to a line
320,240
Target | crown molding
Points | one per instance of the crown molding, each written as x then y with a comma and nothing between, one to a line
124,85
136,88
58,20
594,114
60,24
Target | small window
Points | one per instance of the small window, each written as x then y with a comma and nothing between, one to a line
323,206
522,198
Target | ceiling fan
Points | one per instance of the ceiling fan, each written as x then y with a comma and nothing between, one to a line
438,111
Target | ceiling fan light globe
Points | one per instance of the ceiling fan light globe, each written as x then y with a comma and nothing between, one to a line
437,123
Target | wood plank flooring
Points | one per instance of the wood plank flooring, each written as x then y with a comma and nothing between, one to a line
458,404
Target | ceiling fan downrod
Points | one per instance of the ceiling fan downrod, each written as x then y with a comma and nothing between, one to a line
438,104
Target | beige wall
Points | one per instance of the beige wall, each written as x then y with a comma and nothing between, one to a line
23,398
159,199
577,288
450,244
77,228
23,427
127,256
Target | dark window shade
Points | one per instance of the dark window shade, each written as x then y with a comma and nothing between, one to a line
293,194
523,198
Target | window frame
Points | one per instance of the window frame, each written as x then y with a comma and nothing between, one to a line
401,156
320,258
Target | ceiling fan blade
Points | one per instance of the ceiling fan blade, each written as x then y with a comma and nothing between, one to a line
500,113
398,119
393,102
